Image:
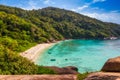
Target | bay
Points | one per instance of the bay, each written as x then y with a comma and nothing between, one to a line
86,55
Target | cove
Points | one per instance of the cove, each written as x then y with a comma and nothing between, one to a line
86,55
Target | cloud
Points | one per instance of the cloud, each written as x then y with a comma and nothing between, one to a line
80,8
48,2
74,10
106,17
83,7
31,5
98,13
115,11
87,5
95,1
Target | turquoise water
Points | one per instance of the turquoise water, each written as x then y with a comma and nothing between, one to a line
86,55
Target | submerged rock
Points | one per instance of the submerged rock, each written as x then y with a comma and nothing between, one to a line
112,65
49,52
52,59
66,59
64,70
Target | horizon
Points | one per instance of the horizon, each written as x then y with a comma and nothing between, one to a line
104,10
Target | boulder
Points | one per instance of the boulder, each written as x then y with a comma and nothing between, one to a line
72,68
112,65
64,70
103,76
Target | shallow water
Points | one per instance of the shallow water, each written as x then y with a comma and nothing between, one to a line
86,55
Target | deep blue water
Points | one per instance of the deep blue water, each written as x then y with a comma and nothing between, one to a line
86,55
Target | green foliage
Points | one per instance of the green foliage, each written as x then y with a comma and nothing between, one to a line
43,70
82,76
24,45
51,23
11,63
15,45
74,25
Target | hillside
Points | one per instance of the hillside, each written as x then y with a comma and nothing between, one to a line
59,23
20,29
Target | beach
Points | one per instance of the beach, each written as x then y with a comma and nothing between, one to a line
35,51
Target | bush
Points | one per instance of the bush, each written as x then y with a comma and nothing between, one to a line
11,63
82,76
43,70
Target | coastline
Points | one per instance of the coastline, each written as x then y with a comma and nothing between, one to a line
33,53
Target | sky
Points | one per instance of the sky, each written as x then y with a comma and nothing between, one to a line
104,10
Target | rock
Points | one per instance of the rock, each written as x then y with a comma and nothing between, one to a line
38,77
103,76
112,65
49,52
66,59
64,70
52,59
72,68
111,68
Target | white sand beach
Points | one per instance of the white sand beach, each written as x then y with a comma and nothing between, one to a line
33,53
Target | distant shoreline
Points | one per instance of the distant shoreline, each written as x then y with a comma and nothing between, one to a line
33,53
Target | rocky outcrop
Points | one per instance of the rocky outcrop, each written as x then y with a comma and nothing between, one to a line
103,76
112,65
38,77
64,70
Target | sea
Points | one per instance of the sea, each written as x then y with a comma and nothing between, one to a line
86,55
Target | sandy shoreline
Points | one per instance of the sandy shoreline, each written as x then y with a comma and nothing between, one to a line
33,53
